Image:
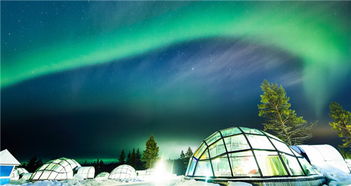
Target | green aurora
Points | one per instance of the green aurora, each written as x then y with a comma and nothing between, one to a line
302,29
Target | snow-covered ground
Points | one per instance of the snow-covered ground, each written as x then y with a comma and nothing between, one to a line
334,176
175,181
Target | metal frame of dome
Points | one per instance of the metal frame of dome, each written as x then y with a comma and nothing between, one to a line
250,143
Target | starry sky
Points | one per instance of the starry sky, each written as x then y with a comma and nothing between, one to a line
87,79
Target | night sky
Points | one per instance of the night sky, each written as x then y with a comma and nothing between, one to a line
87,79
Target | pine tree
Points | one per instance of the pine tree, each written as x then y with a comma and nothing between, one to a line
341,123
129,158
150,154
189,153
139,163
133,158
182,155
280,119
122,157
33,164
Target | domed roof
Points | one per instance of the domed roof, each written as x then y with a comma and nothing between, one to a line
124,173
58,169
241,152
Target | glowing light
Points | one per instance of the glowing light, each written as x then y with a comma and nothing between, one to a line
162,173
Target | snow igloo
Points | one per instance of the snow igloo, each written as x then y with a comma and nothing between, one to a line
250,155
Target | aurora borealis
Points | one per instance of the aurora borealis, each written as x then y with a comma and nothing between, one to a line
103,73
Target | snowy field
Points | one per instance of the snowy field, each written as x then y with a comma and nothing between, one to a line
335,178
176,181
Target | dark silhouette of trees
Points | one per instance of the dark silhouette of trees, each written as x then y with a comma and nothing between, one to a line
122,157
189,153
138,162
33,164
180,165
182,155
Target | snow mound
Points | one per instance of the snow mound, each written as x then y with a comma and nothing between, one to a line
334,176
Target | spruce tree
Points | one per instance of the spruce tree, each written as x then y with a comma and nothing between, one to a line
133,158
189,153
341,123
150,154
122,157
279,118
129,158
182,155
139,163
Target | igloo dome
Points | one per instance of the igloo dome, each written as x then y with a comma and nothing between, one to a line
124,173
252,155
58,169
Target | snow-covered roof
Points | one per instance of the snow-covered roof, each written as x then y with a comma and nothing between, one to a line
324,155
6,158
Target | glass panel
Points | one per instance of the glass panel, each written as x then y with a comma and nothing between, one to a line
36,175
296,153
281,146
243,164
50,167
56,167
251,131
191,167
292,164
53,175
221,166
270,135
43,167
214,137
45,175
205,156
216,148
270,163
200,150
203,168
307,166
230,131
259,142
234,143
61,176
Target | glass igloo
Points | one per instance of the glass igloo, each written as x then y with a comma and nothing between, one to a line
244,153
58,169
123,173
102,176
85,172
